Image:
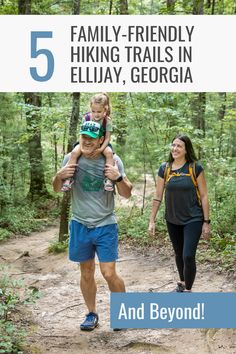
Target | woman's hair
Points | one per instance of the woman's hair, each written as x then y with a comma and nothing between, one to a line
190,153
102,99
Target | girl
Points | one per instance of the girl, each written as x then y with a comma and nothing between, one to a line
100,113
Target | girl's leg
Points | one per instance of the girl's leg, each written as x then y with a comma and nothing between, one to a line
177,239
75,154
108,153
192,233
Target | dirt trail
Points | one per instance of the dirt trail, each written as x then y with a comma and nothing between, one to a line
57,314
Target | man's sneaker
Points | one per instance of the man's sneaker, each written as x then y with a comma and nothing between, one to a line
180,287
90,322
108,185
67,184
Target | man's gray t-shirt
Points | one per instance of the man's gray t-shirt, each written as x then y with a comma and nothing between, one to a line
181,200
91,204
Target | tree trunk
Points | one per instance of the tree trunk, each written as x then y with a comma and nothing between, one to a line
198,114
199,100
74,120
121,132
54,139
121,124
213,7
65,205
33,120
170,4
24,7
221,115
110,7
198,7
64,217
76,7
123,7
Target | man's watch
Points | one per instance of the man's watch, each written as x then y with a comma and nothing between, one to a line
119,179
207,221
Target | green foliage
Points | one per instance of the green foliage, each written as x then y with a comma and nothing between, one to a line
23,219
220,252
58,247
13,339
93,7
133,224
20,220
4,234
12,296
144,125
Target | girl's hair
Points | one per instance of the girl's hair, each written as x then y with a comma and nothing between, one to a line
190,153
102,99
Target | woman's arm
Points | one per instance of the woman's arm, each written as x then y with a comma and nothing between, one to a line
156,204
202,186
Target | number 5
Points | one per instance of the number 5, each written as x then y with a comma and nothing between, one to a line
36,52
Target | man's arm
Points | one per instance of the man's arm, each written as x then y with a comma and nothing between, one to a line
124,187
65,172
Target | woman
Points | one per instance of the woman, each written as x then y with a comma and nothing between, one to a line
187,216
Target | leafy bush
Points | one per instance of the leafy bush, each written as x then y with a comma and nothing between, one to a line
58,247
4,234
13,338
134,225
24,219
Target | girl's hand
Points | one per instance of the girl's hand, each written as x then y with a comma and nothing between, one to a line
90,154
206,231
95,153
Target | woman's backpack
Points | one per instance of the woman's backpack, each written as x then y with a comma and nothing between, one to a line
191,172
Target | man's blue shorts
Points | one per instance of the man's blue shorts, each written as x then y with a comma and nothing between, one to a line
85,242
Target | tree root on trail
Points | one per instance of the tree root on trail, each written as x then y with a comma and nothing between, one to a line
24,254
159,287
155,347
68,307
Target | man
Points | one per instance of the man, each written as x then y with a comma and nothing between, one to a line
93,228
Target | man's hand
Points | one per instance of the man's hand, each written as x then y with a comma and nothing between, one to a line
112,172
124,187
65,172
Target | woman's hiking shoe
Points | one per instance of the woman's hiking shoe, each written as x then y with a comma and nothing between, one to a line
180,287
90,322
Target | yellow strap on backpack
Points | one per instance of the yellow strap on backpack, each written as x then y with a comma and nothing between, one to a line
192,174
192,171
